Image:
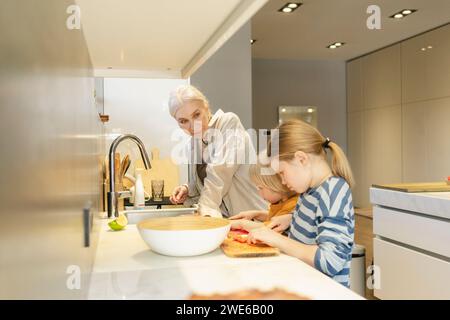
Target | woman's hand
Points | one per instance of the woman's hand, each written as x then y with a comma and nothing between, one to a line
179,194
245,225
264,235
280,223
249,215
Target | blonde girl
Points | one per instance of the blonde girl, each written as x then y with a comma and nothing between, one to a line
322,227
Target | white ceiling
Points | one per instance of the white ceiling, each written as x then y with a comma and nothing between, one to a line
159,38
305,33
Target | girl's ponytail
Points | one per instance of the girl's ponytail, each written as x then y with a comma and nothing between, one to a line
339,164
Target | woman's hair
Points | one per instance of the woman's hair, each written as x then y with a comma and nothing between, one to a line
297,135
185,93
265,176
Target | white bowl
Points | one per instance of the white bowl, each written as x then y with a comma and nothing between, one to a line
184,236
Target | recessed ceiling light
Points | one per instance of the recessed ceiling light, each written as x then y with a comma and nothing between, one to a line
403,13
290,7
430,47
335,45
423,49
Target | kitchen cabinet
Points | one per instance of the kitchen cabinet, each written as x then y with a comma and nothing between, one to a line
355,98
411,251
426,66
381,78
403,121
356,156
382,145
425,131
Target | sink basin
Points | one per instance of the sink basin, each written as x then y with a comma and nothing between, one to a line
136,215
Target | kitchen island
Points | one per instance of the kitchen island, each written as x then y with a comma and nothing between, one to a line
125,268
411,244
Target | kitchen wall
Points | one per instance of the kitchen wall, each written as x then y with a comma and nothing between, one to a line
50,138
139,106
226,78
398,113
296,83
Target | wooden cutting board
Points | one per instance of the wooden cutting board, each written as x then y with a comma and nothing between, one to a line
416,187
237,249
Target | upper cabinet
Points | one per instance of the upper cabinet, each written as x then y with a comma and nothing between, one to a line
355,97
426,66
398,103
382,78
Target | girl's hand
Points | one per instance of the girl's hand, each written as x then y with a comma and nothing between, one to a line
246,225
264,235
179,194
248,215
280,223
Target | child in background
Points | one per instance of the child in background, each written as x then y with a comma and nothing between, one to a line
322,226
282,200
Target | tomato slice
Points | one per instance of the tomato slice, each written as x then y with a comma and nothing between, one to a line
238,235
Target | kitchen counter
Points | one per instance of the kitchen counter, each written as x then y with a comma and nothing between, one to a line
125,268
411,252
430,203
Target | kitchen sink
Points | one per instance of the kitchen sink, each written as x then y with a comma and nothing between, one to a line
136,215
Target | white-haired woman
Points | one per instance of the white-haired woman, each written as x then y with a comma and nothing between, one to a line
222,188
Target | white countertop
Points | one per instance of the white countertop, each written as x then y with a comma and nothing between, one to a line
125,268
429,203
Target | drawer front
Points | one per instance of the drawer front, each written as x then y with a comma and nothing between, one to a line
419,231
409,274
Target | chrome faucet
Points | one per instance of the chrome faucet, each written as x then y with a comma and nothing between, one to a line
113,195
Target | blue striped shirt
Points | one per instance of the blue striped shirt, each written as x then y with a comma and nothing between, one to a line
324,216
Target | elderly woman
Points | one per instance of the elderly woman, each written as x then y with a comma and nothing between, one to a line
222,187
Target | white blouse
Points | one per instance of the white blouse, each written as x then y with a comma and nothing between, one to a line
227,189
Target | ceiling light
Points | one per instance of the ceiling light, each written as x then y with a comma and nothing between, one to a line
335,45
423,49
403,13
290,7
430,47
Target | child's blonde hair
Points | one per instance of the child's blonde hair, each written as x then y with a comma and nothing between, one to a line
297,135
265,176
